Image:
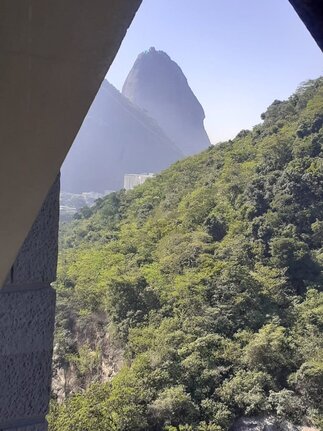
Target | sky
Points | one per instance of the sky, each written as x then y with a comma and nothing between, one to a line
237,55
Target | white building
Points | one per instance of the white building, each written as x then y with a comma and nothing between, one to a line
132,180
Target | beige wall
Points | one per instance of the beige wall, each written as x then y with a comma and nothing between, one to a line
53,58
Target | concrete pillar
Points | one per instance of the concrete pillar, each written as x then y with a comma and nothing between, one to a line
27,313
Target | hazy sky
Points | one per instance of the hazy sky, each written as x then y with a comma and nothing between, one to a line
238,55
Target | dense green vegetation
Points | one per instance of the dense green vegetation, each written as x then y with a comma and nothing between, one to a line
209,278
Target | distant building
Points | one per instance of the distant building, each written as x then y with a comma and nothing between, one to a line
132,180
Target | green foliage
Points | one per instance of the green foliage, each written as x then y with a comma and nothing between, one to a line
287,404
173,407
81,412
208,277
246,391
271,350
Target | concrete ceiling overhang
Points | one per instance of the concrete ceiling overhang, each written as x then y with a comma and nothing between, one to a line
311,13
54,55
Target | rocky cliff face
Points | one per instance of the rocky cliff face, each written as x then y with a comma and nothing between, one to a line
116,138
158,85
267,423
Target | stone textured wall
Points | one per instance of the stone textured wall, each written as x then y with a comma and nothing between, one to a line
26,340
41,426
37,258
37,427
27,314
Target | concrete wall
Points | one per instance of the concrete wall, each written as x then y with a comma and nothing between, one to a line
27,314
53,58
132,180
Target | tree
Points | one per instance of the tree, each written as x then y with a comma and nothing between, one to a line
174,407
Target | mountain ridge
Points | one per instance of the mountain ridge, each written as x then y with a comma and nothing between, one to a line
116,138
120,136
209,280
158,85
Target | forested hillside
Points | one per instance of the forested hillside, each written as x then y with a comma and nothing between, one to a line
204,285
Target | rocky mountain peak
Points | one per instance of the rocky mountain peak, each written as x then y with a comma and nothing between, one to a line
158,85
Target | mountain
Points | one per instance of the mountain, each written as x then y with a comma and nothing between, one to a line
116,138
71,203
196,300
158,85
